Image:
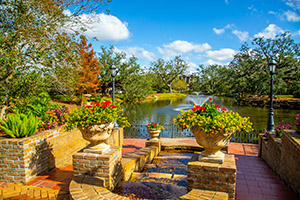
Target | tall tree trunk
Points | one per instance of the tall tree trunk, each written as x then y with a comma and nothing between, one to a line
170,88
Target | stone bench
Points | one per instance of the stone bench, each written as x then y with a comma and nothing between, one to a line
86,187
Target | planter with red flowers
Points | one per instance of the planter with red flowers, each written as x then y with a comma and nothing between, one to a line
96,123
213,127
154,130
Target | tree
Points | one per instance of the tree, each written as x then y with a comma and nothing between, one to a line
125,68
249,73
89,70
32,37
169,71
179,85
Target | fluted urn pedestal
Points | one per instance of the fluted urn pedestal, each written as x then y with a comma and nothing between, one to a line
154,133
97,135
212,143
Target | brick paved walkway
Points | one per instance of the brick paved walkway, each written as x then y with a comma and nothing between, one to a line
255,180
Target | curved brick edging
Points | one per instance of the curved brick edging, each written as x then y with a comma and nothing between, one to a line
91,188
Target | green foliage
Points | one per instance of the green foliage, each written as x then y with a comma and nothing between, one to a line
179,85
19,125
37,105
32,38
97,113
248,73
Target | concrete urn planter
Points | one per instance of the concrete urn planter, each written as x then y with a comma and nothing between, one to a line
97,135
212,144
154,133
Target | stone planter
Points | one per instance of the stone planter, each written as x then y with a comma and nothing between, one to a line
154,133
97,135
212,144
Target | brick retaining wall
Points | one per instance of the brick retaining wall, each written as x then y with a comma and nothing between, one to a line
283,156
24,158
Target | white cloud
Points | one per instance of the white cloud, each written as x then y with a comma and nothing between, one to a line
102,26
138,52
222,54
296,34
252,8
272,13
219,31
242,35
295,4
292,16
184,46
180,47
192,66
222,30
270,32
212,62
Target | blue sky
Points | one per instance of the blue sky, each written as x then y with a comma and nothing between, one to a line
202,32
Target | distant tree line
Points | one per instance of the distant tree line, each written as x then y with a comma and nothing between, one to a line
248,73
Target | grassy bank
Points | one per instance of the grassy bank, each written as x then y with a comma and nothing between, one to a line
164,96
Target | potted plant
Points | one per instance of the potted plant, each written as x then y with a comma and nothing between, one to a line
212,127
96,123
154,130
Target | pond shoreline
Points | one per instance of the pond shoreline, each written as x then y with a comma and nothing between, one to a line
279,102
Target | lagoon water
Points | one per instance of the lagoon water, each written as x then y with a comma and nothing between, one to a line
164,111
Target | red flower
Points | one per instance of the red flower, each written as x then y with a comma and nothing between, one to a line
217,106
154,124
210,99
104,106
88,106
224,109
112,106
194,109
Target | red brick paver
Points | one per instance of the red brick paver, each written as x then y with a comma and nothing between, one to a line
255,180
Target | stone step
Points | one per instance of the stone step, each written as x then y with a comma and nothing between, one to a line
174,160
166,168
26,192
177,179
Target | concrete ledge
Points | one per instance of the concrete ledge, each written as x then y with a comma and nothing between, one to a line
136,161
91,188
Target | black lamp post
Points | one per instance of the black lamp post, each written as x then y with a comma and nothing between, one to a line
270,127
113,74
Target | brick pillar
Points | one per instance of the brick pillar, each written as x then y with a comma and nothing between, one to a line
106,166
212,176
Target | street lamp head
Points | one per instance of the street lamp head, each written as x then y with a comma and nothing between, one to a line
272,66
113,70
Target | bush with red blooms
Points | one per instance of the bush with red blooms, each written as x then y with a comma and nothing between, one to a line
153,125
96,113
212,119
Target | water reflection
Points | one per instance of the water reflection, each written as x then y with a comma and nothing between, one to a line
164,111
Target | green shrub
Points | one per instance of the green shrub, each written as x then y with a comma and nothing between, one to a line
19,125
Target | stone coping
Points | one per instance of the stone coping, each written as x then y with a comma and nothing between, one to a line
91,188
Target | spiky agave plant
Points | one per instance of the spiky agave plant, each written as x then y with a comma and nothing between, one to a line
19,125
